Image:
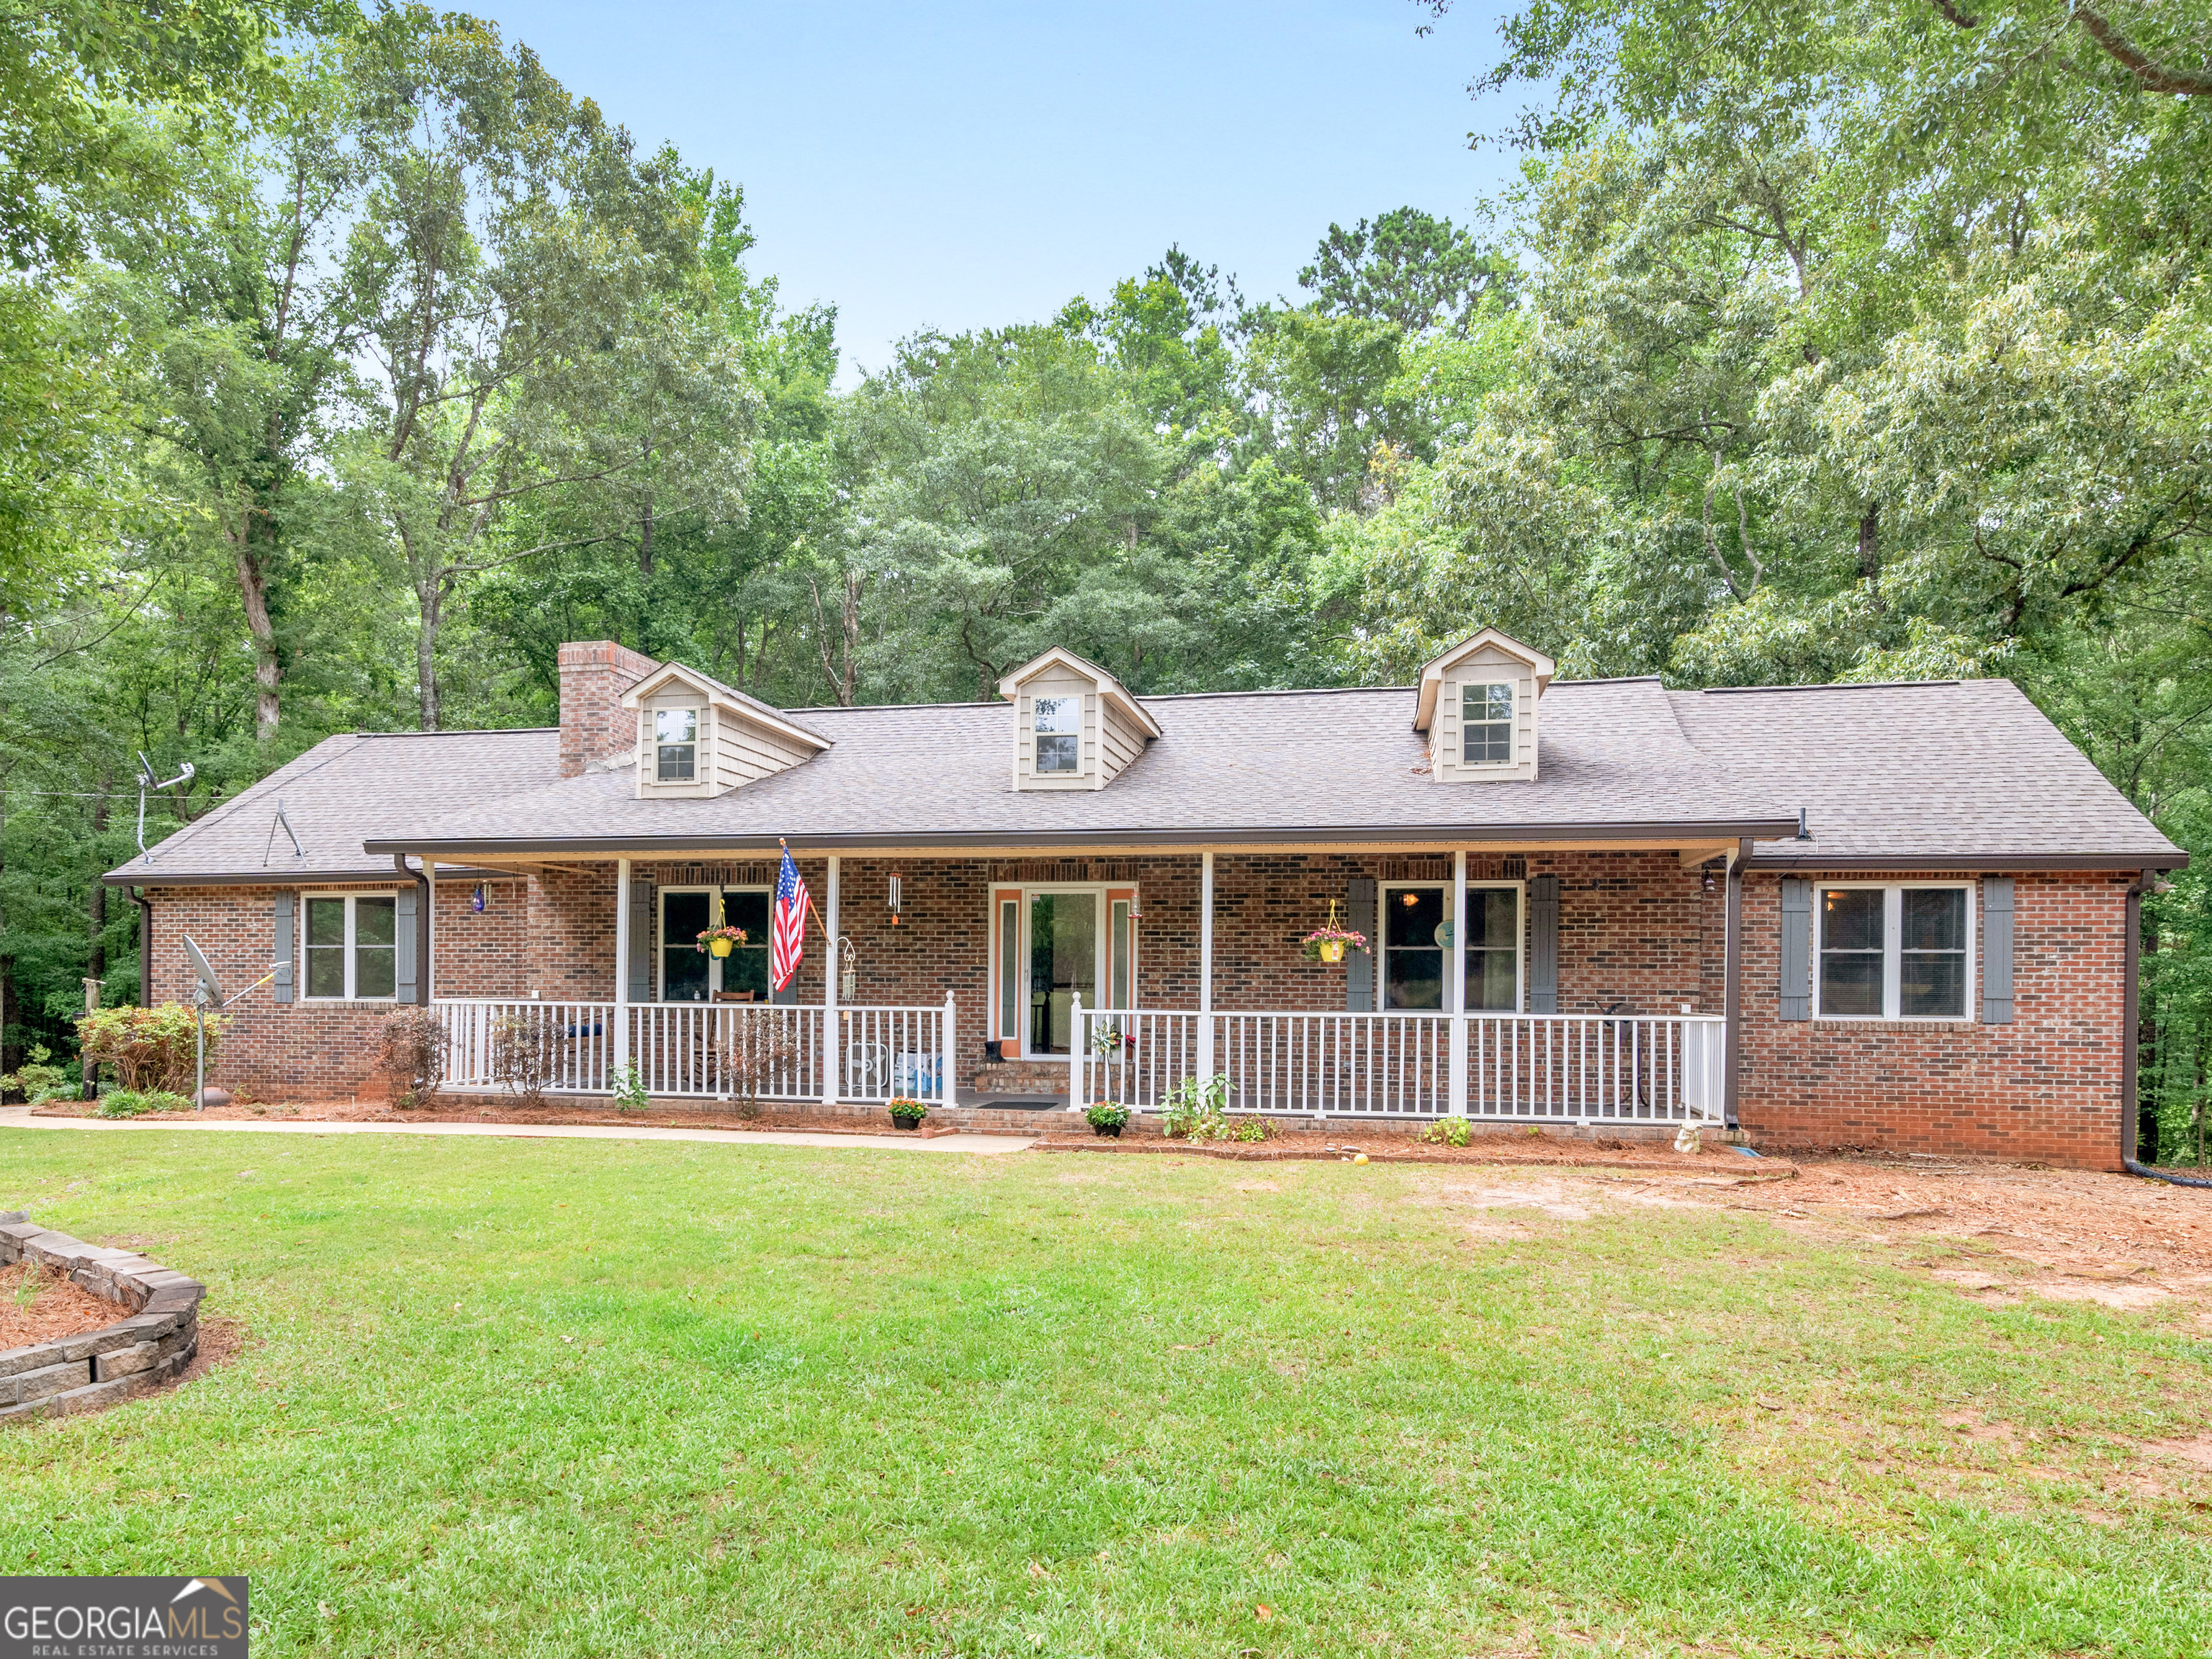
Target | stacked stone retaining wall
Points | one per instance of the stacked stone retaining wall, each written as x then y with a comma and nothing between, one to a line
154,1341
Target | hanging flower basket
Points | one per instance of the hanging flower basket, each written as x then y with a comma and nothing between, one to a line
721,941
1329,943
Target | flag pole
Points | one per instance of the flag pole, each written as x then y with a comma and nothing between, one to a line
811,910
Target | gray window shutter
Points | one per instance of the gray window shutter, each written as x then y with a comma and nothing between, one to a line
1996,950
403,906
286,934
1544,945
641,938
1796,947
1360,965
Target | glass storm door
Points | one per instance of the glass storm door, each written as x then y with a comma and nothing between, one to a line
1063,965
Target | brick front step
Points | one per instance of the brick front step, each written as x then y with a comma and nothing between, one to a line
1021,1077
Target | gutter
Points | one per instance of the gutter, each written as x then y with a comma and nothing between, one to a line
292,878
1505,835
2175,859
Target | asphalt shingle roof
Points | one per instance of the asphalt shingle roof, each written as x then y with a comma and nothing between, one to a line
1967,770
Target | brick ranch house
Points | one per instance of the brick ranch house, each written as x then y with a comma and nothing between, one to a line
1900,915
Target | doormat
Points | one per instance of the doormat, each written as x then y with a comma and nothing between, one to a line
1019,1102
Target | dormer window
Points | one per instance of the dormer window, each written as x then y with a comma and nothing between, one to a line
1059,734
676,738
1486,726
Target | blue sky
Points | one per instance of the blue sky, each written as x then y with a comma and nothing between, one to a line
965,164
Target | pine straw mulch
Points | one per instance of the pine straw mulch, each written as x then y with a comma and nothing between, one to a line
38,1304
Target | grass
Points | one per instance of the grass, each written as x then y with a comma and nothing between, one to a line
560,1397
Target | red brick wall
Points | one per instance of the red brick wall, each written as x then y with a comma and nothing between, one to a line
2044,1087
1634,928
294,1051
483,954
594,674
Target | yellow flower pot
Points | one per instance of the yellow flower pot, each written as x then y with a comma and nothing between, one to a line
720,947
1332,950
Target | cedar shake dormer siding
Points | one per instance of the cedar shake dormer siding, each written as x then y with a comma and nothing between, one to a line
1108,727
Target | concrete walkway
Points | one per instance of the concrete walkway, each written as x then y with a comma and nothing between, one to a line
19,1117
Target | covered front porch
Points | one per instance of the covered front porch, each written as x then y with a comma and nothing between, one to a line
1593,987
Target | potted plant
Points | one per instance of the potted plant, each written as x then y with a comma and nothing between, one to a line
721,941
1330,943
1108,1117
908,1113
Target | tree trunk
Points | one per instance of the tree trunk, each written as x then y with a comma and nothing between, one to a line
253,589
95,936
426,651
852,620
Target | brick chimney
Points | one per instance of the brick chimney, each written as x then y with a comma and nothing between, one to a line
594,674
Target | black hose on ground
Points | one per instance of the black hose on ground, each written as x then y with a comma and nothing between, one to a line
2149,1173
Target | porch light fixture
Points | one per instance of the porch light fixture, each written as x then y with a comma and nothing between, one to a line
896,893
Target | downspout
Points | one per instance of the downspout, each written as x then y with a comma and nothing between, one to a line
1732,978
422,925
145,946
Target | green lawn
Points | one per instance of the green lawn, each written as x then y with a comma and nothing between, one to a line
558,1397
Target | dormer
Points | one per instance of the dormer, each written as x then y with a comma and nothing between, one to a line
698,737
1075,725
1477,708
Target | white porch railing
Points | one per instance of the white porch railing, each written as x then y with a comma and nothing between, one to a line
707,1050
1562,1068
576,1038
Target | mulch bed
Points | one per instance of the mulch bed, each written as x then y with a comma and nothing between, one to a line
37,1304
1518,1150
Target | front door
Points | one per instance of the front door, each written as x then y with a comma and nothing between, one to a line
1064,940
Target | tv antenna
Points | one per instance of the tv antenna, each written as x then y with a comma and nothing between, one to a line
146,783
208,994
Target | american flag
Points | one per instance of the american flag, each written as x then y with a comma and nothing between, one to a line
788,927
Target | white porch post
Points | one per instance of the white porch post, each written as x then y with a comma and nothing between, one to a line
1077,1046
947,1092
1205,965
1455,977
829,1074
621,964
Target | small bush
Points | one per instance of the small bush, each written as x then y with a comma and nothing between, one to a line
1195,1109
131,1103
147,1048
411,1056
1448,1132
522,1053
1106,1115
629,1089
1252,1130
35,1077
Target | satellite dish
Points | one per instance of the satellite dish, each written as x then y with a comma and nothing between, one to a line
208,980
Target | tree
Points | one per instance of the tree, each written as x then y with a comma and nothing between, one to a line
1409,269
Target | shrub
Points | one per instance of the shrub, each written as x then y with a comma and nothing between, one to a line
37,1079
761,1047
1251,1130
1106,1115
1448,1132
1194,1109
522,1053
629,1089
130,1103
411,1056
148,1047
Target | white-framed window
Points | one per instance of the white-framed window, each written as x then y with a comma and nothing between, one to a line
1893,949
1059,724
676,745
1485,725
350,942
687,974
1416,930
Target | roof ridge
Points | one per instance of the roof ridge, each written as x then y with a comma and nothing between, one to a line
1830,686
